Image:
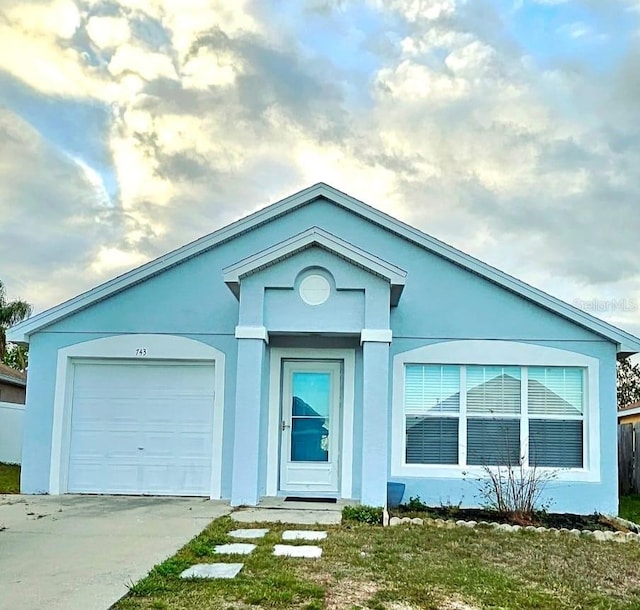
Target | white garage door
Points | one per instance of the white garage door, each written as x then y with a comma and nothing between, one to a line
141,428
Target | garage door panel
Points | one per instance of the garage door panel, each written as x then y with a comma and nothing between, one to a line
141,428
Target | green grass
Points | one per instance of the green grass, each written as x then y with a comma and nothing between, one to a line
630,508
404,568
9,478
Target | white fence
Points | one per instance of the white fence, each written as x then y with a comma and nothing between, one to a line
11,422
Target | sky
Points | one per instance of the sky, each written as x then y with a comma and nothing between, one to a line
509,129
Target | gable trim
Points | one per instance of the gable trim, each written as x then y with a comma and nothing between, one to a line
626,342
315,236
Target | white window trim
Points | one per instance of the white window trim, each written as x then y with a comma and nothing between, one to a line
277,355
487,353
169,348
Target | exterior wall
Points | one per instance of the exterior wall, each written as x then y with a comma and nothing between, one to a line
12,393
11,426
441,302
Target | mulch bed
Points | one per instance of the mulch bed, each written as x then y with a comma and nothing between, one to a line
539,519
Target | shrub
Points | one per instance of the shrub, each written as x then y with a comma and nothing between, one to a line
515,490
415,505
363,514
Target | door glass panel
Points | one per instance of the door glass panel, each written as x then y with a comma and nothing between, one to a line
310,409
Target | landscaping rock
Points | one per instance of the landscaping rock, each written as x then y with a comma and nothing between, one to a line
530,528
504,527
599,535
631,537
395,521
417,521
620,537
439,522
516,528
542,530
406,520
575,532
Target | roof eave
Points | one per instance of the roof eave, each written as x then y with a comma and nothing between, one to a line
626,343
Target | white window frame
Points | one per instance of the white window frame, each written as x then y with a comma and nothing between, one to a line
499,353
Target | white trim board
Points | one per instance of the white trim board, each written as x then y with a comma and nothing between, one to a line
311,237
167,348
625,341
507,353
277,355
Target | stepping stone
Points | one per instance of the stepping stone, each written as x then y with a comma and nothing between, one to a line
236,548
213,570
287,550
303,535
248,533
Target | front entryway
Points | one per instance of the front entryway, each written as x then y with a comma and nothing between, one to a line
310,426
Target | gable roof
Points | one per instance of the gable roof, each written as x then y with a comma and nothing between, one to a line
626,343
12,376
315,236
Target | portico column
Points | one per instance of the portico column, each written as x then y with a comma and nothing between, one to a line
375,415
246,455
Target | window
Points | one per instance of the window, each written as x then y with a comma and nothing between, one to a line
432,407
504,414
493,415
556,411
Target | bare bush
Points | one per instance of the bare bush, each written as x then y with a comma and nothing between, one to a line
515,491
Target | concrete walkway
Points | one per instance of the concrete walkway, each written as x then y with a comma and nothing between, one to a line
80,552
278,510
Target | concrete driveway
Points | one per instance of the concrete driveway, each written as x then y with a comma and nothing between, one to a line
80,552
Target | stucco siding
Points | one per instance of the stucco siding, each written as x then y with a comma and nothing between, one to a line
441,302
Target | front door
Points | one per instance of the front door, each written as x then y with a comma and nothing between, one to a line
310,441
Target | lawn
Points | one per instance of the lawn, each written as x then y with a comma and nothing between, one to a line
630,508
9,478
405,568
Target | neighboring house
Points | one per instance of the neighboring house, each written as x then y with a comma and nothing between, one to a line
13,385
629,414
319,347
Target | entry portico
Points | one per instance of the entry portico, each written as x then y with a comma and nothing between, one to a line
313,289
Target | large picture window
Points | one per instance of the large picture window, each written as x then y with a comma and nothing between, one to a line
494,415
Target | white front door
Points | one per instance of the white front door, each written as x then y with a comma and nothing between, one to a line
310,426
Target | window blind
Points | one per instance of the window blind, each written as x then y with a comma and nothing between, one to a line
432,440
493,390
431,389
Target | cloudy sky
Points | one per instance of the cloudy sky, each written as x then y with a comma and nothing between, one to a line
509,129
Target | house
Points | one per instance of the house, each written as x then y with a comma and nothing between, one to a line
319,347
13,385
629,414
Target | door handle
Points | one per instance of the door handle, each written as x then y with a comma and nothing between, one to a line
284,425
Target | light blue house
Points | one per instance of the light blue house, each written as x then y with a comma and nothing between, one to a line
319,348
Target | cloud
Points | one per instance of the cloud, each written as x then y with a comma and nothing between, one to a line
440,115
52,213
